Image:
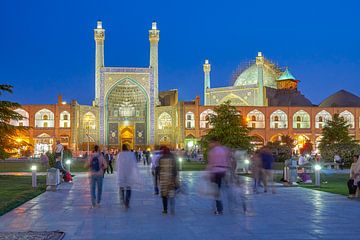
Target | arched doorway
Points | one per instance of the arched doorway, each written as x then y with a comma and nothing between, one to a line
127,136
127,115
257,141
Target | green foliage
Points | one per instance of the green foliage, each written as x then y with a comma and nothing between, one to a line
228,127
345,150
8,133
282,150
336,140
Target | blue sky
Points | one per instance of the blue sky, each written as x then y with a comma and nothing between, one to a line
47,47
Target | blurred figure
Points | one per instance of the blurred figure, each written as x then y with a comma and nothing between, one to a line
127,174
59,151
96,165
155,169
168,179
354,181
218,165
109,158
44,159
267,160
256,170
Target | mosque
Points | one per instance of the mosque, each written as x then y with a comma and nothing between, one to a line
129,109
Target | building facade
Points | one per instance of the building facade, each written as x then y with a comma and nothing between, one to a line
129,109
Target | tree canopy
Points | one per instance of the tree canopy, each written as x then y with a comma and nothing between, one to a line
336,140
229,127
8,132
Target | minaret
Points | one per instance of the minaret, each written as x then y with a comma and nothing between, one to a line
207,69
99,36
154,37
260,65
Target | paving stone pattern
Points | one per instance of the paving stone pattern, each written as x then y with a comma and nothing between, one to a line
291,213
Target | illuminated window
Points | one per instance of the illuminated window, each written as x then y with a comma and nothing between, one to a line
44,118
190,120
301,119
349,117
322,118
278,119
256,119
205,117
89,121
22,122
64,119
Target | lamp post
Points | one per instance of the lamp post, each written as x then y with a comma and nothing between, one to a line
33,176
317,169
180,161
68,162
247,163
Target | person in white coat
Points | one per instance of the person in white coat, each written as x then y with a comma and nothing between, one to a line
127,174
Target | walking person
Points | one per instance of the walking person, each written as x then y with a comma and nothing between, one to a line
256,170
127,174
218,165
109,158
96,165
354,180
155,169
267,160
168,179
59,152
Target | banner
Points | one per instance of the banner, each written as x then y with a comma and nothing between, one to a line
140,136
113,134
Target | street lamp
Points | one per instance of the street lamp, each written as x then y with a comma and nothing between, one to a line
33,176
68,162
247,163
317,168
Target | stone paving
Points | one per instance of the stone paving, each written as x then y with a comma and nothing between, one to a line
292,213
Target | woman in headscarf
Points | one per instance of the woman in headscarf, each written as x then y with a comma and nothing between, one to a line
168,179
354,181
127,174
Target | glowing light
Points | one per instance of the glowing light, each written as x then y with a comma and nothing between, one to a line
68,162
317,167
18,140
81,155
151,155
190,144
63,102
180,159
33,168
307,155
247,161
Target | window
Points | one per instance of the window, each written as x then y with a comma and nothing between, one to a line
190,120
256,119
278,119
89,121
301,119
64,119
322,118
44,118
22,122
349,117
204,118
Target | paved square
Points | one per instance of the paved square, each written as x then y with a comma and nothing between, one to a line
292,213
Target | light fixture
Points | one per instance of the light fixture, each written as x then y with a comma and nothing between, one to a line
33,168
68,162
247,161
317,167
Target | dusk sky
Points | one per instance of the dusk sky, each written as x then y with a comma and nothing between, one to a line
47,47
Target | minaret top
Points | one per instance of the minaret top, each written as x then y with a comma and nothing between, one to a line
259,59
153,27
99,24
207,66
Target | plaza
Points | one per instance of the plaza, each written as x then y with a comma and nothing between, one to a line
292,213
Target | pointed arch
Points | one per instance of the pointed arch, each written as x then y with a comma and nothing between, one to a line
301,119
278,119
256,119
321,118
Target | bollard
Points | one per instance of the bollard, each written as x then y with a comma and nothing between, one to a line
33,174
68,162
317,169
180,161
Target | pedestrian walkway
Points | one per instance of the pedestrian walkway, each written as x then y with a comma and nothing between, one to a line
292,213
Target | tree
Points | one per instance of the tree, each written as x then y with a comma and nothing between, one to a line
282,149
8,132
307,147
229,127
336,140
